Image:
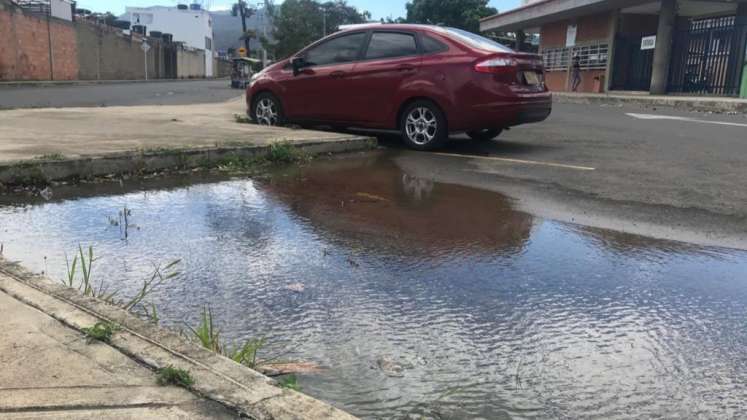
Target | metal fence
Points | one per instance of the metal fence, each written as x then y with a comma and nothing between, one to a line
707,56
591,57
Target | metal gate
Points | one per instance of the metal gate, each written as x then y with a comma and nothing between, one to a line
632,70
705,55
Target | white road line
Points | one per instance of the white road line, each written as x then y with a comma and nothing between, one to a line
526,162
676,118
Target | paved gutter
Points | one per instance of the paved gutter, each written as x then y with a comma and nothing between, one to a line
217,378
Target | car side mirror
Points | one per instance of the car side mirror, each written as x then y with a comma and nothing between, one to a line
298,63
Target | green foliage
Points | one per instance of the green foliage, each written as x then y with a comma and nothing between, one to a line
208,335
283,152
101,331
174,376
289,382
51,156
462,14
300,22
83,263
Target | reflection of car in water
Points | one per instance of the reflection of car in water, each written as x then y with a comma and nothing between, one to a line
424,81
373,198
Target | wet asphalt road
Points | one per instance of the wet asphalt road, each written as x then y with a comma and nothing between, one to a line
118,94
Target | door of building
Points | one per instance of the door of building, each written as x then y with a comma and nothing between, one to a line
632,65
704,58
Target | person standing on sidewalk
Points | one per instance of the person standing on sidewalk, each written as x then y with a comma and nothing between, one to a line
576,73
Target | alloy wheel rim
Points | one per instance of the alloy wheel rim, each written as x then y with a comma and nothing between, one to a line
421,126
266,112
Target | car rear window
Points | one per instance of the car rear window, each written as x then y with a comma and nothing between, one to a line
391,44
477,41
431,45
342,49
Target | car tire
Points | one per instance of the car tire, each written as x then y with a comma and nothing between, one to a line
486,134
267,110
423,126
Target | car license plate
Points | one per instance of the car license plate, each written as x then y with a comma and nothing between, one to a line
531,78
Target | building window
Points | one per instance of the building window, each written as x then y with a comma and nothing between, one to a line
591,57
208,44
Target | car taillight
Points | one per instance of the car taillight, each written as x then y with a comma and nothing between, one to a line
498,65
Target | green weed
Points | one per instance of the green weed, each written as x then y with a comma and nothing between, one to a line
174,376
289,382
242,119
101,331
208,335
51,156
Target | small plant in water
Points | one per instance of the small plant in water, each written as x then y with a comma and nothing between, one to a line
174,376
101,331
283,152
289,382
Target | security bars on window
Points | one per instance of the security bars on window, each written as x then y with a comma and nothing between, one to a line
591,57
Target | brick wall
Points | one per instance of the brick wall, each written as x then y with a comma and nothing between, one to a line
25,47
589,29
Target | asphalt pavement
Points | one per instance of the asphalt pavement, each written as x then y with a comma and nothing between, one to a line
659,172
117,94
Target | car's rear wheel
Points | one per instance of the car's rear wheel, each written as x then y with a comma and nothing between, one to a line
485,134
267,110
423,125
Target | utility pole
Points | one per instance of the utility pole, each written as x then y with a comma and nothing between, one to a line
240,9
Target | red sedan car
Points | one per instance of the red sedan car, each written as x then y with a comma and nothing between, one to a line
424,81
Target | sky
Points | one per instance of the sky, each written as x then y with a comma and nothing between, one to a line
378,8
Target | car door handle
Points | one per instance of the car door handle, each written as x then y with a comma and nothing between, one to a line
337,74
406,67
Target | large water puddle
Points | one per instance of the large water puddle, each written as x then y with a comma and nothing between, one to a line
422,298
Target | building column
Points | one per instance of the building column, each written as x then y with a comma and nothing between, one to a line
520,38
663,48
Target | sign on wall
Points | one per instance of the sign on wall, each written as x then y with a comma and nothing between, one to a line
570,35
648,42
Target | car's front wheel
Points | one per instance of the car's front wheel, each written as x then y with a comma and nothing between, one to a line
267,110
485,134
423,126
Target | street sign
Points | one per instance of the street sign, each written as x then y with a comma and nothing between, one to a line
648,42
242,52
145,47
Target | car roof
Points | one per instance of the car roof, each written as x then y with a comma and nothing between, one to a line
392,26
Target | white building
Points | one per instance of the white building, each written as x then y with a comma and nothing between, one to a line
192,25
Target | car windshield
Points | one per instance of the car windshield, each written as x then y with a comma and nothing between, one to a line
477,41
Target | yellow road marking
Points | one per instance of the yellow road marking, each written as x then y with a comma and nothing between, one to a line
526,162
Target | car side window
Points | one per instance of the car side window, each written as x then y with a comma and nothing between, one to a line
431,45
342,49
391,44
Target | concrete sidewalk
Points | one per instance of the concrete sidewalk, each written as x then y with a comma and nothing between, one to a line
685,103
48,370
60,143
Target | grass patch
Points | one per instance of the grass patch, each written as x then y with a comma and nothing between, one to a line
283,152
51,156
242,119
101,331
209,337
80,276
289,382
174,376
280,153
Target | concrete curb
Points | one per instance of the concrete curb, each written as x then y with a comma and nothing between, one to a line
247,392
702,104
53,83
34,172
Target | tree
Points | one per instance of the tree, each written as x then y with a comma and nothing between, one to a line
300,22
463,14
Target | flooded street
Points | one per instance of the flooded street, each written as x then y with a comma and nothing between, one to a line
420,298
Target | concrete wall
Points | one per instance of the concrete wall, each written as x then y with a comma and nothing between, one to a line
105,53
190,63
589,29
221,67
26,52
